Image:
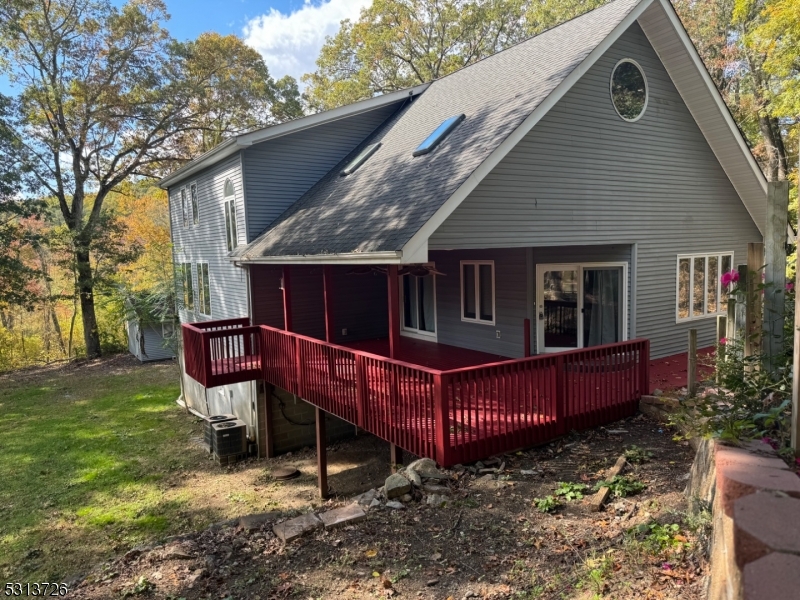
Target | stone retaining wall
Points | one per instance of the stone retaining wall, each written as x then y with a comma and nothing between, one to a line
755,502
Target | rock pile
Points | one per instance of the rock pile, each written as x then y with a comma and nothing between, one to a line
420,481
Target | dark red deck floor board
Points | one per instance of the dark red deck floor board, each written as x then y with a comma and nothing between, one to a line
670,372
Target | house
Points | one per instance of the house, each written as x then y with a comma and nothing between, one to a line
474,264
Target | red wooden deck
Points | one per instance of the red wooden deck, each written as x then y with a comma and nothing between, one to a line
670,372
428,354
446,403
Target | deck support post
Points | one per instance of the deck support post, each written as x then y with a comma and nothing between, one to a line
268,424
394,311
322,453
286,286
327,284
395,456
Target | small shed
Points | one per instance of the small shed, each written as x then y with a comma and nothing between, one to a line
148,340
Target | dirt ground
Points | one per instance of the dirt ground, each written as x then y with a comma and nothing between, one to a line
488,541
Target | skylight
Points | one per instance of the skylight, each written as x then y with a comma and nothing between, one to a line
360,159
441,132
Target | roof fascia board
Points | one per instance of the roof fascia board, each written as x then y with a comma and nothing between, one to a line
354,258
675,21
520,132
262,135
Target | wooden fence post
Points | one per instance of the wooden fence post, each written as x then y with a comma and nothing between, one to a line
753,306
775,271
730,329
796,365
691,364
722,328
441,416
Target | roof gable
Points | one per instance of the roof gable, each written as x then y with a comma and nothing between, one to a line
388,209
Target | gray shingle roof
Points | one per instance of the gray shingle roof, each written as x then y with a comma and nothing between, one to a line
385,202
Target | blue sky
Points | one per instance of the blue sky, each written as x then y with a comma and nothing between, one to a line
287,33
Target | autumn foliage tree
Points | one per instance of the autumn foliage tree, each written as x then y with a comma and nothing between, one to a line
107,96
396,44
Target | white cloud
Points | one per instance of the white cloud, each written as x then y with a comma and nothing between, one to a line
290,43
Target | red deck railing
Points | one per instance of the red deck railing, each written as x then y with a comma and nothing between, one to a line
451,416
222,352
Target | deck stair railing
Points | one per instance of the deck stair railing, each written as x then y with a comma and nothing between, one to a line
452,416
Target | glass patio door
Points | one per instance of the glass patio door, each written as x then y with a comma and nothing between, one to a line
558,308
579,306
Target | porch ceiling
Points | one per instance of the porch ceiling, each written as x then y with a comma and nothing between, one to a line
428,354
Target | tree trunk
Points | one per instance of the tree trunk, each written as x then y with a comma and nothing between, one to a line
777,163
91,335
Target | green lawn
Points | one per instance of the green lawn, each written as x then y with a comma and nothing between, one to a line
87,462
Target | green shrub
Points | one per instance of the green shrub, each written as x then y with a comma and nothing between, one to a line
622,486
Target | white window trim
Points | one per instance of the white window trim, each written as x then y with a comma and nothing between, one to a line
225,201
646,89
410,332
579,267
184,200
193,309
198,303
194,200
477,318
691,257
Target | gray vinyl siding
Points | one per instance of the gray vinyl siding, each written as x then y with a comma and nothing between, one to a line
278,172
206,241
510,302
583,176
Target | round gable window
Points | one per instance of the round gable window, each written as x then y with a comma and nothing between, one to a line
629,90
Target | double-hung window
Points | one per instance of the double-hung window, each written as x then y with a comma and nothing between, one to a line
184,208
231,234
195,207
477,291
699,290
185,277
419,305
203,289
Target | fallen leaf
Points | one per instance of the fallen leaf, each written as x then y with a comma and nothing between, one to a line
371,553
436,556
376,574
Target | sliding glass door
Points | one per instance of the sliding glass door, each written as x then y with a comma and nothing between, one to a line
580,305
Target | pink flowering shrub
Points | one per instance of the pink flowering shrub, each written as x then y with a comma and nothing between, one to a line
729,277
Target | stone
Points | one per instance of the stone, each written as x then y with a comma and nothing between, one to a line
487,470
177,552
347,515
375,503
528,472
734,482
406,498
762,523
366,498
192,579
436,500
294,528
657,392
395,505
396,485
436,489
728,455
413,477
256,520
776,575
425,467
